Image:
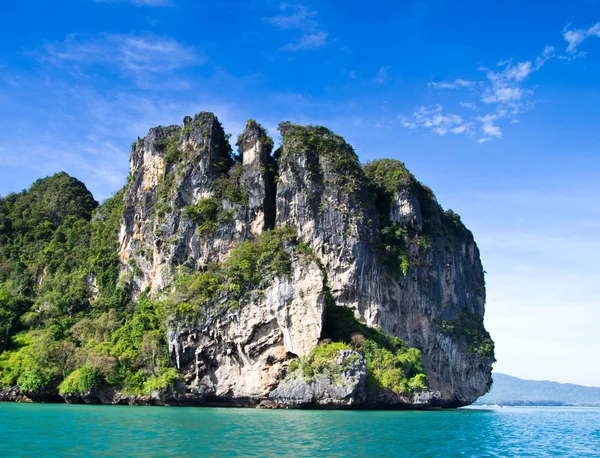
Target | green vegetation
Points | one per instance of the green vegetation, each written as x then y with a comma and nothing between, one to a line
44,248
320,361
452,225
395,367
251,266
207,214
386,178
468,330
319,143
390,175
391,364
264,137
255,263
66,318
82,380
229,187
173,154
168,141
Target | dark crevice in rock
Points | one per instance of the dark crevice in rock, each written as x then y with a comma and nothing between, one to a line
270,200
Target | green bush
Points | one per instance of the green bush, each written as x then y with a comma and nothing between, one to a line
160,382
172,153
229,186
391,364
390,175
320,146
399,370
82,380
320,361
205,214
254,262
32,380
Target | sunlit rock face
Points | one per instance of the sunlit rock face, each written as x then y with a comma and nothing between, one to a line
378,244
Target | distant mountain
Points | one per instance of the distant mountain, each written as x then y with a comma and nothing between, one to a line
513,391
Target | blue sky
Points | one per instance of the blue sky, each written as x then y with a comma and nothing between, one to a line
493,104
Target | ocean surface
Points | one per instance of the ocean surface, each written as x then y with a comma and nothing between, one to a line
72,430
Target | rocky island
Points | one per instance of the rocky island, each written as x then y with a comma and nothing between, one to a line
294,277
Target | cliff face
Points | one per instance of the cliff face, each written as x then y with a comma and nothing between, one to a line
370,239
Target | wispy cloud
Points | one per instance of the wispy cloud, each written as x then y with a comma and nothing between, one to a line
435,119
577,36
139,2
128,53
299,18
505,86
307,42
382,76
457,83
489,128
502,90
469,105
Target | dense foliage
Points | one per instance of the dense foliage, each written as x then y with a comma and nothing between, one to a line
320,144
207,213
66,317
322,361
391,364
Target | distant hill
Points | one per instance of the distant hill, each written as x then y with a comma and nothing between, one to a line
513,391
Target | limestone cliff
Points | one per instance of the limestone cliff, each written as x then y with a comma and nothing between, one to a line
370,239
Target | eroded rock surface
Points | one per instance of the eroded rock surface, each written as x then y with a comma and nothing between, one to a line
374,242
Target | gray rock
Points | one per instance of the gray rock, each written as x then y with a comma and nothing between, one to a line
344,390
240,356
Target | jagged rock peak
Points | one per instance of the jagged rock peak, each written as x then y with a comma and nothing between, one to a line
370,239
254,139
321,151
258,176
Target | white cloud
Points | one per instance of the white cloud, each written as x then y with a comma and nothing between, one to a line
469,105
503,88
299,18
488,127
382,77
456,84
505,85
307,42
547,54
129,53
434,119
578,36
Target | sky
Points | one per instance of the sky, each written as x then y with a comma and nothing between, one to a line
494,104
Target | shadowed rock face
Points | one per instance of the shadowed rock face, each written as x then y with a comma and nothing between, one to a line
378,243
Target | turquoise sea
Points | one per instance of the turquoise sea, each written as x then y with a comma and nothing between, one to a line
74,430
